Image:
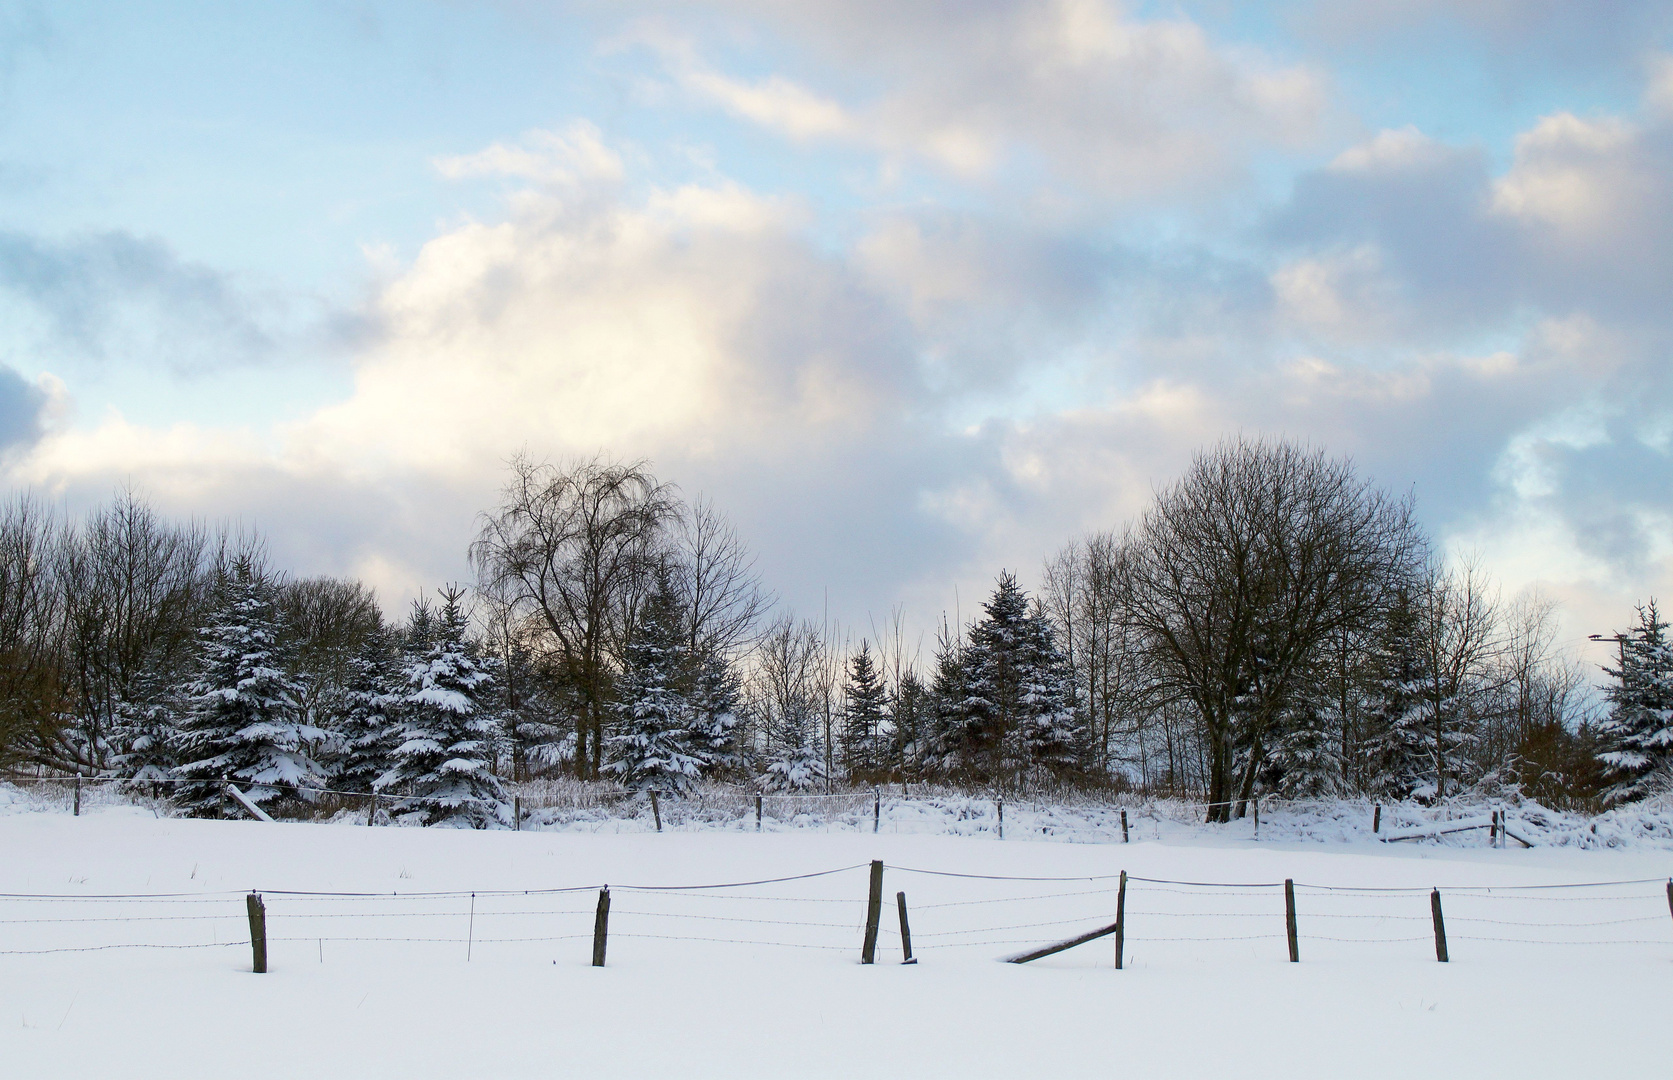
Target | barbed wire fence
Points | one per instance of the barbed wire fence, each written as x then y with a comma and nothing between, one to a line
1163,920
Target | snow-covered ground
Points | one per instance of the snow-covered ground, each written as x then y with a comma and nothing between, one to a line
764,980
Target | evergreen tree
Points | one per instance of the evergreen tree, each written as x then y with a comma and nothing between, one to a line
1306,759
1400,736
441,760
369,731
910,709
863,720
1637,736
947,738
243,723
716,702
1053,734
651,748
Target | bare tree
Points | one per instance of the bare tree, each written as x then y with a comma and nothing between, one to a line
566,545
32,678
1241,571
1458,633
724,598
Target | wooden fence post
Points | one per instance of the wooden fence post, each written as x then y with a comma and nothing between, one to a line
601,926
877,813
758,811
1120,920
372,810
1670,896
516,813
1377,818
1289,920
1000,803
1123,826
656,812
1440,924
78,793
874,912
258,932
1493,830
905,931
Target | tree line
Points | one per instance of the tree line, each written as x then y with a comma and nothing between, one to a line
1273,623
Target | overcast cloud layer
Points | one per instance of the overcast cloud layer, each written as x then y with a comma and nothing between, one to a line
914,291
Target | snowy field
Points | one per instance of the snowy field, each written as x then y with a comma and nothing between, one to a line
422,979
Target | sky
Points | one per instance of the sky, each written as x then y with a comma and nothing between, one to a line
913,291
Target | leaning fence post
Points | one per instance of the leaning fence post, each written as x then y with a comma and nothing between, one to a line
877,811
78,793
1289,920
1120,920
656,812
874,912
758,811
905,931
601,926
258,932
1440,924
1123,826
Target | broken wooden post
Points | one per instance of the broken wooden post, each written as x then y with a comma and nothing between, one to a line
905,931
1091,935
1377,818
1120,920
1289,920
601,926
874,913
1123,826
656,812
258,932
1440,924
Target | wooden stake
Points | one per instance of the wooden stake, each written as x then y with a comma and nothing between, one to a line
1257,819
874,912
656,812
258,932
905,931
876,811
78,794
1440,923
1670,896
1123,827
758,812
1289,920
1377,818
601,926
1121,919
1001,805
516,813
470,930
372,811
1493,830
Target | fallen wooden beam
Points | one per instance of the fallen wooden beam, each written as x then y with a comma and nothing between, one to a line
244,800
1441,828
1023,958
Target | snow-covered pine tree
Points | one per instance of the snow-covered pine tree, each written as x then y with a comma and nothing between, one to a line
441,762
1637,735
651,747
1053,736
1306,758
946,740
243,722
910,708
1400,737
716,702
864,722
369,729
